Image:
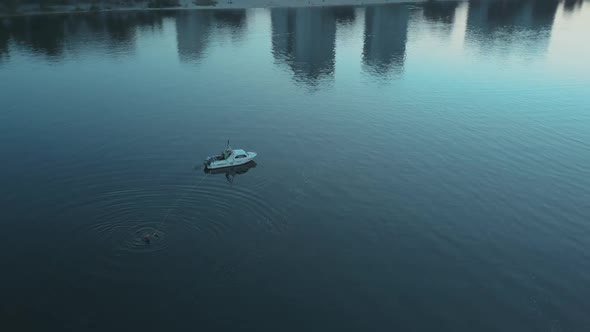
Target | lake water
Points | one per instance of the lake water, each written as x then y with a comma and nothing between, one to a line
420,168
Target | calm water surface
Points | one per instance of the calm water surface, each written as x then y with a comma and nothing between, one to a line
421,168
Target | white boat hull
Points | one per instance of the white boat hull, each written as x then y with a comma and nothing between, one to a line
229,162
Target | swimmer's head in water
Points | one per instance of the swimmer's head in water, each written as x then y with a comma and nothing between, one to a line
147,238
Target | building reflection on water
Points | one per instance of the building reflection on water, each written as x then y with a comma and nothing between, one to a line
501,23
386,34
234,19
4,39
52,35
195,27
192,34
440,12
571,5
344,15
492,15
303,40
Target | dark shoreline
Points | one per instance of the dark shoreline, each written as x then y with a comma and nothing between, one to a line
252,4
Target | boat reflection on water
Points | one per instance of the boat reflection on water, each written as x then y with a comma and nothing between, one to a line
231,172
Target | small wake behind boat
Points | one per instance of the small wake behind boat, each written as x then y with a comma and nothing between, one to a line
229,157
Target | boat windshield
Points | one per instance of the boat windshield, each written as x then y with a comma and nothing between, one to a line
226,154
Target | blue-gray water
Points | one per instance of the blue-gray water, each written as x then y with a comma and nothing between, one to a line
420,168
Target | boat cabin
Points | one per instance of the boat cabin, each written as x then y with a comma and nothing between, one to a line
234,154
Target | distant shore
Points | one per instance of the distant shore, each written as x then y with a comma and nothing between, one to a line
82,7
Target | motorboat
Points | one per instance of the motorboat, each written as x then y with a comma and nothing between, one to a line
229,157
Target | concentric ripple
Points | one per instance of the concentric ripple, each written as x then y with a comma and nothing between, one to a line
206,212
